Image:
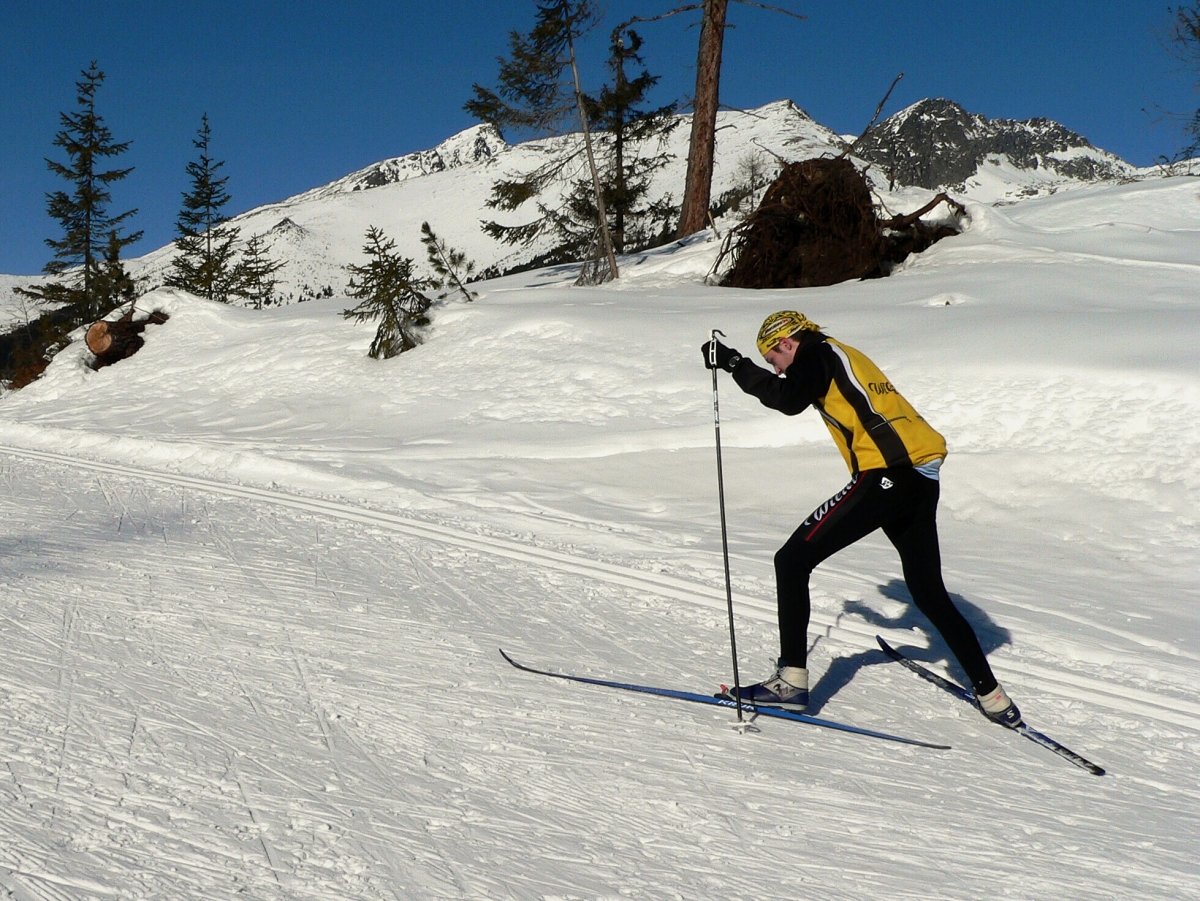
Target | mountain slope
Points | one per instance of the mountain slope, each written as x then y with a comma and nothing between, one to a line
321,231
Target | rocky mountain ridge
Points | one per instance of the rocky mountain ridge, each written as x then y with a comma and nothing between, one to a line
477,144
936,144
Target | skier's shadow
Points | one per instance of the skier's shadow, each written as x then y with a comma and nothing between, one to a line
843,669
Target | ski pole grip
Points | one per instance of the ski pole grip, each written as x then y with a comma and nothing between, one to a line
712,348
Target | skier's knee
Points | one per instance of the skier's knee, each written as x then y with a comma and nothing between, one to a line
794,559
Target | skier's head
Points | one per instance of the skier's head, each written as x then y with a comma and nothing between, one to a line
779,337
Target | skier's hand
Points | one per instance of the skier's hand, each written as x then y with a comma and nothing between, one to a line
727,357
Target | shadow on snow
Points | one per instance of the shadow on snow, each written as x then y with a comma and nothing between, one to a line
843,669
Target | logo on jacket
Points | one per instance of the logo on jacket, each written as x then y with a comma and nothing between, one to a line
885,483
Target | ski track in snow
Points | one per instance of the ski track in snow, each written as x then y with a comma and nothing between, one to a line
216,690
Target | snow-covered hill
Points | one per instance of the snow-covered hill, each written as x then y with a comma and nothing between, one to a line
253,583
321,231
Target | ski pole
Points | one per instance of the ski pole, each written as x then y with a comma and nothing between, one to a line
712,359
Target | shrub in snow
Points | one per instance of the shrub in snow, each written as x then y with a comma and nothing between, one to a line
388,290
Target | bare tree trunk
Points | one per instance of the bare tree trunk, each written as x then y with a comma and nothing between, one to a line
697,191
619,85
587,143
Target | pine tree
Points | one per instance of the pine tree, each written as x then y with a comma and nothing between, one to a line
90,234
623,124
539,91
255,273
205,264
533,94
391,292
452,268
1184,42
624,128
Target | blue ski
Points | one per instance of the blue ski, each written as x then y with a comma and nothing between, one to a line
967,695
726,702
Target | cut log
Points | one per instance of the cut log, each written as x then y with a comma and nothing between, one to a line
114,340
98,339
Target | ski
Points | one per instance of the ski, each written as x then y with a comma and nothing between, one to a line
969,696
726,702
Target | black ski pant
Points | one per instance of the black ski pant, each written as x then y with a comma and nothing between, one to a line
903,503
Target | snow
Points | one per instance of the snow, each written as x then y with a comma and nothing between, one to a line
254,585
15,310
473,145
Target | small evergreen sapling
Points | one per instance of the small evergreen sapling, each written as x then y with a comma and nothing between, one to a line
452,268
255,274
112,279
388,290
205,263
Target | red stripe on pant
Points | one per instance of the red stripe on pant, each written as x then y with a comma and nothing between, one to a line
855,485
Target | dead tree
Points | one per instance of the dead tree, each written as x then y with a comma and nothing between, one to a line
697,191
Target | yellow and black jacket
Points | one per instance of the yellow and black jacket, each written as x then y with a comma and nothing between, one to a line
871,423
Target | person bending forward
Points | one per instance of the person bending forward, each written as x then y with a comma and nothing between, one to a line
894,456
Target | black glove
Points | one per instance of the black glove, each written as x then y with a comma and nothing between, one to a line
727,357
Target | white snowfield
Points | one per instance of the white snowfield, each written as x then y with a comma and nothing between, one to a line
254,583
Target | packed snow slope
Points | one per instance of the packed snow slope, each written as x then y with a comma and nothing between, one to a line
254,584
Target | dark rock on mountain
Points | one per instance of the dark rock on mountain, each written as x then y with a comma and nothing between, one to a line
936,143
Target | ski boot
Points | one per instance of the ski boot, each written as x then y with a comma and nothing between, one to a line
786,688
998,707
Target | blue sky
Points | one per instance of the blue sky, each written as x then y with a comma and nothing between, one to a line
300,93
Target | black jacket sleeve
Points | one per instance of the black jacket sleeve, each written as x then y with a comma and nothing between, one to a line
807,381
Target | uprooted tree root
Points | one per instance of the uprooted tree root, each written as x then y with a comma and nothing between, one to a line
817,226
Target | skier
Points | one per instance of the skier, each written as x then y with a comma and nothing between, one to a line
894,457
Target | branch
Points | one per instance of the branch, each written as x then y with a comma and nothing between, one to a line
781,160
695,6
874,119
738,109
904,221
636,19
774,9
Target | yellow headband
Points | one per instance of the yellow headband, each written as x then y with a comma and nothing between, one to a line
783,324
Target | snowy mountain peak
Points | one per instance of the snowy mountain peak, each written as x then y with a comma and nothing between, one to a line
784,108
479,143
936,143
